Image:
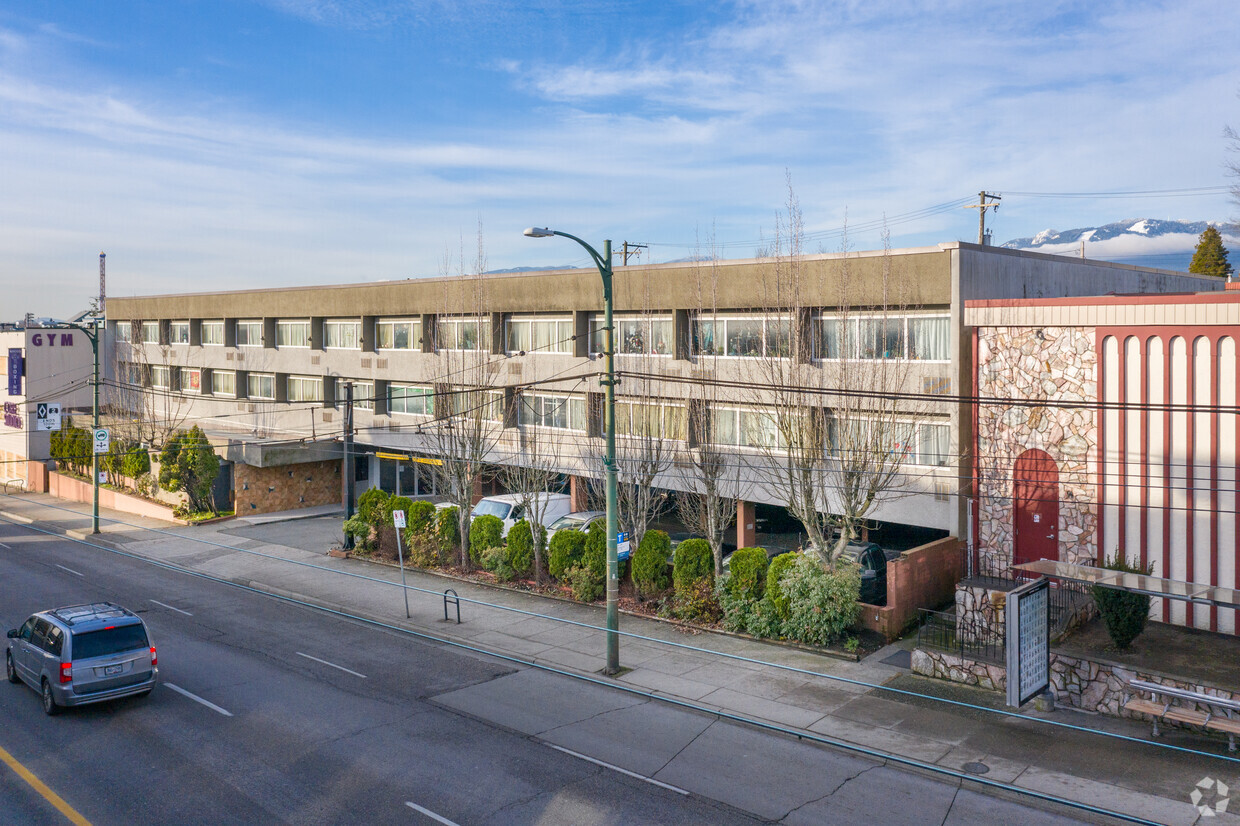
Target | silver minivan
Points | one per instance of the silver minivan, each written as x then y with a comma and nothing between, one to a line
82,654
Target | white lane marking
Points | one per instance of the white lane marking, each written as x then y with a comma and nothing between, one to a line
70,570
429,813
6,547
170,608
333,665
589,759
198,699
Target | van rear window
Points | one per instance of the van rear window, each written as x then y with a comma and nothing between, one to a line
487,508
91,644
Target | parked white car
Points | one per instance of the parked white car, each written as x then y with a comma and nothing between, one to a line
508,507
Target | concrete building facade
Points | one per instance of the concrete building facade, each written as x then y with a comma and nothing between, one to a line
264,370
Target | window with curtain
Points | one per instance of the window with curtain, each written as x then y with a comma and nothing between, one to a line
363,394
212,333
928,338
178,332
539,335
342,334
223,383
260,386
250,333
411,399
398,334
304,389
543,410
292,333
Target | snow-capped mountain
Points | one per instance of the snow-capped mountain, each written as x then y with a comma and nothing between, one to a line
1149,242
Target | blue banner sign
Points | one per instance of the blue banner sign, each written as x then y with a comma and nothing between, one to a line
15,371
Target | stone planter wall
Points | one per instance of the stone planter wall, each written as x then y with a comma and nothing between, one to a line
1092,685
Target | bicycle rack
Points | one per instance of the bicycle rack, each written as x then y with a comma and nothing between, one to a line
450,596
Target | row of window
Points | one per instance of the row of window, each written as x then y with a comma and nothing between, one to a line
924,443
916,337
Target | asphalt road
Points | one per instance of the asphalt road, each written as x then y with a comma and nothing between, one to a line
269,712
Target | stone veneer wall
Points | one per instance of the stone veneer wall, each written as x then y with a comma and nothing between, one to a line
285,487
1037,363
1092,685
981,610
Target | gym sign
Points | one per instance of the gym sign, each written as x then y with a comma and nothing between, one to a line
51,340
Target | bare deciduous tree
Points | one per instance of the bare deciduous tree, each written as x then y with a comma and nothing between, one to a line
531,469
837,434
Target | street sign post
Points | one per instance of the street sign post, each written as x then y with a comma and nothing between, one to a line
398,521
47,416
102,440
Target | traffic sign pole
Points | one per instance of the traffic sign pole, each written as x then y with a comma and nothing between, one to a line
398,521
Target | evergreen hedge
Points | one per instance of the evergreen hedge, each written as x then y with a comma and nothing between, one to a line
747,573
774,586
649,569
1124,613
485,531
694,563
565,551
521,548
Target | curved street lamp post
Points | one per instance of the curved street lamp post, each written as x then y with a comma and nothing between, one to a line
603,262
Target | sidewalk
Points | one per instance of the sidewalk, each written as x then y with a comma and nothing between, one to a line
289,558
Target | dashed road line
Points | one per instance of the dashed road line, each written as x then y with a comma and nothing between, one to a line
634,775
170,608
198,699
70,570
333,665
429,813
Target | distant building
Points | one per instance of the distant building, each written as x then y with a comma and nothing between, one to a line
41,365
1108,425
263,370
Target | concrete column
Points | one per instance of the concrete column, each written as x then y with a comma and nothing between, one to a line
578,491
746,534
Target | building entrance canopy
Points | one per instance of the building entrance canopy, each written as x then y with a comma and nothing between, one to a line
1139,583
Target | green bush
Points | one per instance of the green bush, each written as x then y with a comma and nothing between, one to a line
1124,613
747,573
495,560
694,562
421,517
565,552
447,530
393,504
595,555
371,500
822,601
359,529
698,602
521,548
650,563
774,582
136,462
423,550
585,584
486,531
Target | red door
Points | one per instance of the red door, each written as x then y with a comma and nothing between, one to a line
1036,505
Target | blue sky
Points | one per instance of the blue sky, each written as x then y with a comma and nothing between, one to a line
218,144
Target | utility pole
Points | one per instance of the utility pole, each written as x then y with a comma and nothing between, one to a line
981,206
348,460
627,249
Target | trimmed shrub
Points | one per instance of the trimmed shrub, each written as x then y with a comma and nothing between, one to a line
447,530
421,517
650,563
585,585
486,531
774,585
136,462
747,573
694,562
358,528
423,550
565,552
393,504
822,601
371,500
495,560
1124,613
521,548
595,555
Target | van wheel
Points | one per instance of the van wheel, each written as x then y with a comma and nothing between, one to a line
9,669
49,700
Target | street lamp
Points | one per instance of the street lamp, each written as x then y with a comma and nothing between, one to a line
92,333
603,262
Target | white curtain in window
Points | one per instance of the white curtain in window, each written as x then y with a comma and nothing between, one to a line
928,338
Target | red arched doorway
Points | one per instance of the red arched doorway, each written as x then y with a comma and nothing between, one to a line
1035,506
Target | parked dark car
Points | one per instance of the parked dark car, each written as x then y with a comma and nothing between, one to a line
873,562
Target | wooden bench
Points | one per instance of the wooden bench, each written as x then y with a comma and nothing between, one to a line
1162,706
